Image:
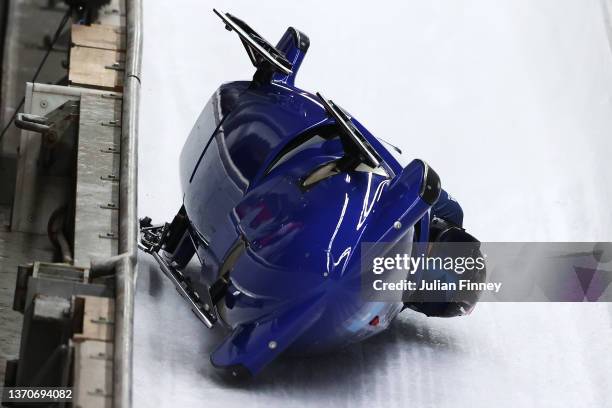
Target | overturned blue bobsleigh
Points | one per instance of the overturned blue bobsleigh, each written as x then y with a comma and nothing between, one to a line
280,189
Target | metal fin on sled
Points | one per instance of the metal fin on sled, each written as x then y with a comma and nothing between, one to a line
258,49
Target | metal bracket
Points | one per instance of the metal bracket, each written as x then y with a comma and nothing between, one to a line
112,123
33,123
109,206
151,241
116,66
52,125
110,177
53,128
111,96
110,149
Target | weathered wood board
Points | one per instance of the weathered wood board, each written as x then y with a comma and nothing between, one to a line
97,179
94,67
100,36
93,374
98,319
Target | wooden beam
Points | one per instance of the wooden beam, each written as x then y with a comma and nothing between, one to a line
97,180
99,36
93,374
98,318
96,67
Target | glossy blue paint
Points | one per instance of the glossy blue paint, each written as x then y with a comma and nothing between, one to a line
296,284
293,52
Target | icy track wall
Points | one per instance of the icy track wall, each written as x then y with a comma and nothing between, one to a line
509,100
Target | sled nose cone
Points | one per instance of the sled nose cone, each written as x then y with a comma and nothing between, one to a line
251,346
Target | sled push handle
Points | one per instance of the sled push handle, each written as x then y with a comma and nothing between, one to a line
260,51
352,135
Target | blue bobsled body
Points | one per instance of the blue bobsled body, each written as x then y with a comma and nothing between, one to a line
301,255
291,250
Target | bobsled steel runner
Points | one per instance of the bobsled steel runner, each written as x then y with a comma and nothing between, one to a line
152,239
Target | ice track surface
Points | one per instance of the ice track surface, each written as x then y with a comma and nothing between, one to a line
509,100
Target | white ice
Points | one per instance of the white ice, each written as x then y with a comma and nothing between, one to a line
509,100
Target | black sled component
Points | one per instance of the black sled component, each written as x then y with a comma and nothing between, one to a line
442,231
176,231
301,40
145,222
218,289
431,187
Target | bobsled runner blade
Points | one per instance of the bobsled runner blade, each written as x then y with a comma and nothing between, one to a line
152,239
200,307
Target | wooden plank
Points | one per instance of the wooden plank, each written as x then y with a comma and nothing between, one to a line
99,36
93,374
90,67
98,319
97,179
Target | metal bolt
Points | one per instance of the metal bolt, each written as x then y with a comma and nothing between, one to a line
44,104
397,225
111,96
272,345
